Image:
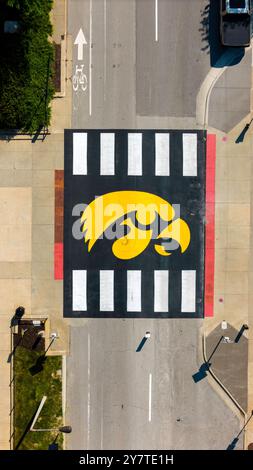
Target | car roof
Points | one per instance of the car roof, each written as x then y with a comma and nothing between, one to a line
237,6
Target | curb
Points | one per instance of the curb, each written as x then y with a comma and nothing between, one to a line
62,93
203,96
64,392
11,385
64,55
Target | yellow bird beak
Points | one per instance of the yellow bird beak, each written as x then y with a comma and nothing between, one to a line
178,231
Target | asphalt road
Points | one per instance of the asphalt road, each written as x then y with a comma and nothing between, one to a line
116,397
137,60
172,60
109,63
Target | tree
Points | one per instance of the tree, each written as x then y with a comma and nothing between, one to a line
26,80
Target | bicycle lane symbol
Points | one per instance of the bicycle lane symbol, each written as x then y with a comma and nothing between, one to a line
79,79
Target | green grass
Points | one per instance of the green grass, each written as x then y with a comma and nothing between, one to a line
28,392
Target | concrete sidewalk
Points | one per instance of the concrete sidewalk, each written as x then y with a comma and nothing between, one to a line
233,251
27,182
230,97
233,228
227,355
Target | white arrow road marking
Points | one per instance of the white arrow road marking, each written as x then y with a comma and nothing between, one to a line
80,41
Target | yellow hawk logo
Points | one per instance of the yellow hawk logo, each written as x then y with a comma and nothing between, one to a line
137,213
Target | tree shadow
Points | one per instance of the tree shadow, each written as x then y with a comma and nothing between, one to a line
220,56
27,429
18,342
38,366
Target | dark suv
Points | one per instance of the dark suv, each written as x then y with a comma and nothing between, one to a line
235,22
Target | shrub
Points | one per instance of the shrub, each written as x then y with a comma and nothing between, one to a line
26,72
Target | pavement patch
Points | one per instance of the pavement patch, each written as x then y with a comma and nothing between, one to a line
210,224
58,225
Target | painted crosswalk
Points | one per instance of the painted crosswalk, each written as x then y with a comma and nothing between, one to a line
132,291
112,275
105,152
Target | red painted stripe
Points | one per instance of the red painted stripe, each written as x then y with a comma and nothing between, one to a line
210,224
58,261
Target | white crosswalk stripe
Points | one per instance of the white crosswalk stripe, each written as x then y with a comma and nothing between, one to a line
161,291
107,164
134,291
80,153
79,290
162,154
188,303
134,154
106,290
189,154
